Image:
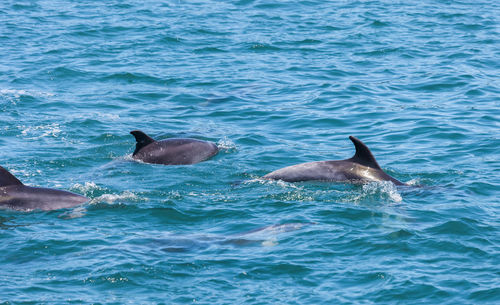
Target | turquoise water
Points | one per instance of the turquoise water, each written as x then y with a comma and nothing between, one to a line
274,83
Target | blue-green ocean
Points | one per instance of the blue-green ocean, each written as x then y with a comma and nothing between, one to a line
273,83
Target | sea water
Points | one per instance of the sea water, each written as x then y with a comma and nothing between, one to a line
273,83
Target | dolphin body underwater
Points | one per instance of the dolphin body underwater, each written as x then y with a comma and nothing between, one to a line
361,168
17,196
172,151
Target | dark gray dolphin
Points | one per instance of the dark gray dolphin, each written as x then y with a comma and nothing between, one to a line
17,196
361,168
171,151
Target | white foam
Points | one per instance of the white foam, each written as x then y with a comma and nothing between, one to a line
226,144
86,188
22,172
383,188
90,187
280,183
414,182
96,116
40,131
109,116
111,198
18,93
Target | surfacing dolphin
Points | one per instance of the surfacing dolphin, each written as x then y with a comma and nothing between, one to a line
17,196
171,151
361,168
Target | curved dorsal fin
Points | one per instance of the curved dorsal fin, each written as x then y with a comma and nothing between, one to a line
142,140
363,154
7,178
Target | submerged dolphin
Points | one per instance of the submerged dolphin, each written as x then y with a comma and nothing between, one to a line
17,196
171,151
361,168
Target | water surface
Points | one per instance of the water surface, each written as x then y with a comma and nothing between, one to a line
274,83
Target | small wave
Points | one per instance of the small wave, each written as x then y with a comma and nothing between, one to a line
460,227
379,24
131,77
263,47
170,39
66,72
209,50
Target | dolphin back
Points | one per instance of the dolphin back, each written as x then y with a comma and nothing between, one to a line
361,168
6,178
17,196
142,140
27,198
363,154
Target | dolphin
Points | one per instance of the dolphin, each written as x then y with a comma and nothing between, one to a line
172,151
361,168
17,196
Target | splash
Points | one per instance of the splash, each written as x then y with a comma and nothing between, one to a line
88,187
130,158
383,190
414,182
226,144
279,183
111,198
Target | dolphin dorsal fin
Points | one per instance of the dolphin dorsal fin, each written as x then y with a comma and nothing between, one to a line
363,154
7,178
142,140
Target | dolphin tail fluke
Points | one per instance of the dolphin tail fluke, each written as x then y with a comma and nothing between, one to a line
363,154
7,178
142,140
